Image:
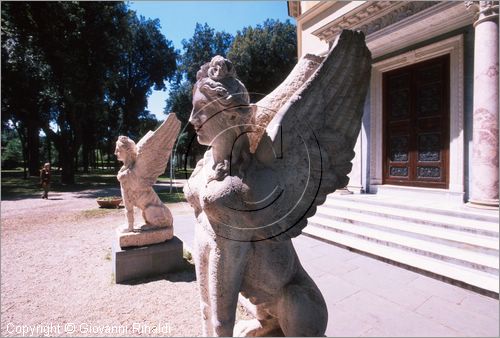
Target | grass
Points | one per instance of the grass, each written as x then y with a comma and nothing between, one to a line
95,213
15,186
174,197
179,174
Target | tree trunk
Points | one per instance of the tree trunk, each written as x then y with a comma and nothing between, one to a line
25,164
100,158
67,162
85,157
93,160
65,146
49,150
24,149
33,145
108,165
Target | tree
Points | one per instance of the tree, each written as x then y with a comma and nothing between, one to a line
179,102
75,67
264,56
66,44
24,82
12,151
148,59
205,44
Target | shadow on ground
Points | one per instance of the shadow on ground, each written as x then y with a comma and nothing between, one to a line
185,273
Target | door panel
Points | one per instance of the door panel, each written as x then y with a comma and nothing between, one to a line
416,124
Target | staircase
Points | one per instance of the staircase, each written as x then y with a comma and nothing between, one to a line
458,245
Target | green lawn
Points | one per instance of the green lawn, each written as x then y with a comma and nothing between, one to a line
174,197
15,186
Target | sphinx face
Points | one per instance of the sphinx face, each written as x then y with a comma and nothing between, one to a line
121,154
206,118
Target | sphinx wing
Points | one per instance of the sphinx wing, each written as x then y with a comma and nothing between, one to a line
315,132
154,149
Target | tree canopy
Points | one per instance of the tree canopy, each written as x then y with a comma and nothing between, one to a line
81,72
199,49
264,55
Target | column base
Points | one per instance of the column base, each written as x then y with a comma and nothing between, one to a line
483,204
343,191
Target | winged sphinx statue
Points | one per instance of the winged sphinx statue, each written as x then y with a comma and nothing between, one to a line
142,164
269,166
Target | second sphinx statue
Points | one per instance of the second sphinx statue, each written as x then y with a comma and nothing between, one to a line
142,164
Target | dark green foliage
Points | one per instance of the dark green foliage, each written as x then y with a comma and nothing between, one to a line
148,59
198,50
12,151
187,149
179,102
264,55
205,44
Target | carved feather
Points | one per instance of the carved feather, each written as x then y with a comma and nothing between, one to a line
315,133
154,149
267,108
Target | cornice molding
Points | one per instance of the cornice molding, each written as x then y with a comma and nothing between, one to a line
439,19
372,16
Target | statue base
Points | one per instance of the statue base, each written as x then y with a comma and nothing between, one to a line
146,261
140,237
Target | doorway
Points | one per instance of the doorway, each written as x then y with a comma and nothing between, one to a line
416,123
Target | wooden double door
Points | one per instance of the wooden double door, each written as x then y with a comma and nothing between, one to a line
416,124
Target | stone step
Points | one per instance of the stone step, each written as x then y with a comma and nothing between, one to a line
443,235
431,206
466,258
431,200
415,214
446,271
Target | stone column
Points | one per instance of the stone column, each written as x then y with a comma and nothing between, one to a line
484,171
355,182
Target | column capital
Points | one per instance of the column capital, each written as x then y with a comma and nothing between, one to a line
485,10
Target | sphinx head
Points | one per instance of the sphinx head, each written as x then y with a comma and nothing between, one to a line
220,101
126,150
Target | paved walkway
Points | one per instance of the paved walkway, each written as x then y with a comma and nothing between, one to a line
367,297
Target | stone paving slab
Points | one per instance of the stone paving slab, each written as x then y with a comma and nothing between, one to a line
367,297
457,316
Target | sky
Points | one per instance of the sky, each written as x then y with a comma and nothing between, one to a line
178,20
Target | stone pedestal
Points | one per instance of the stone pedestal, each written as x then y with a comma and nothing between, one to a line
146,261
484,187
142,237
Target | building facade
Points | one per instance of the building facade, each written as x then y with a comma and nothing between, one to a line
430,125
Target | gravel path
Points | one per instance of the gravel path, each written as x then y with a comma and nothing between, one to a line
56,275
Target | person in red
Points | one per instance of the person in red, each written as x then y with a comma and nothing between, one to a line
45,180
